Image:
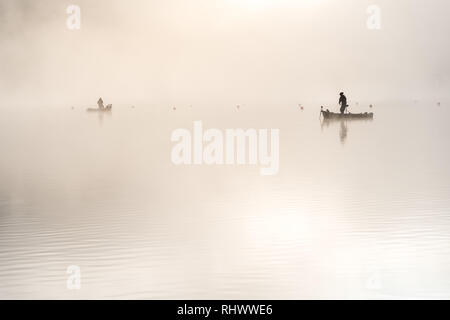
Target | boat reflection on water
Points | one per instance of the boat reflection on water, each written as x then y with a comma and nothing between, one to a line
343,132
100,115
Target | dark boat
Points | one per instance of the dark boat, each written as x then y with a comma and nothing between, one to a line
331,115
107,109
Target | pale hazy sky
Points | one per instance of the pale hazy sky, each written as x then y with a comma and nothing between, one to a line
222,50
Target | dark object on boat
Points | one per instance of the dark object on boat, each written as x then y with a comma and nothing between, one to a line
107,109
331,115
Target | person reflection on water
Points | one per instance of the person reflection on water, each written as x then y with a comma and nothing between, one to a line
343,132
343,102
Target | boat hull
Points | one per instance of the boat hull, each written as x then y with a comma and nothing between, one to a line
332,115
107,109
98,110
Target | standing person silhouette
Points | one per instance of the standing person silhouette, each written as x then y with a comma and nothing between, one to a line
343,102
100,103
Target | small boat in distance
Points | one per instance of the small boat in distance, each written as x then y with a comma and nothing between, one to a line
108,108
331,115
101,107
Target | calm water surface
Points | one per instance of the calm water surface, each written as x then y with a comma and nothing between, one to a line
359,209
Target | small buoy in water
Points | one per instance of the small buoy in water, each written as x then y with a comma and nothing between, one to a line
438,103
174,109
371,106
72,108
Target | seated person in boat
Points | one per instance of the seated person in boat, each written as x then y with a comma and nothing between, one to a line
343,102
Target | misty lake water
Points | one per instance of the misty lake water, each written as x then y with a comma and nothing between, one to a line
359,209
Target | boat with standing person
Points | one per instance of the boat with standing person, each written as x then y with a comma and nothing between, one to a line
101,107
